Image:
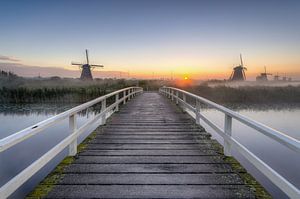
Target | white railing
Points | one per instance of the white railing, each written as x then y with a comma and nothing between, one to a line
70,141
194,110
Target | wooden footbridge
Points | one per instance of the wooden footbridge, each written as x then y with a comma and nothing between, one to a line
149,148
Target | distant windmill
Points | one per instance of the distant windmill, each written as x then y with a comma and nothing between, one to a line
86,73
238,73
263,76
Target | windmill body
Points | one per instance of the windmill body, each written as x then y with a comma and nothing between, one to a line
263,76
86,72
238,73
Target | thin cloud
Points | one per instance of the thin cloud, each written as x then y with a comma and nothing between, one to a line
7,58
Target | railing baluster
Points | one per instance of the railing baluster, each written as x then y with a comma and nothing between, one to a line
132,91
117,99
197,112
103,107
228,131
177,95
72,129
129,94
124,96
184,101
172,95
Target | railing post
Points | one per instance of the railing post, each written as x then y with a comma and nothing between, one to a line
184,101
172,95
132,93
197,112
228,131
103,107
117,99
72,129
177,95
124,96
129,92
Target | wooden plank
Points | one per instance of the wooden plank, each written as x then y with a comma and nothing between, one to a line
149,168
155,136
150,160
148,179
151,191
148,152
153,141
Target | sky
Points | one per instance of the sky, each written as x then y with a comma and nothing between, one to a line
152,38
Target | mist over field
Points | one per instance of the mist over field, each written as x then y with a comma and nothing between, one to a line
15,89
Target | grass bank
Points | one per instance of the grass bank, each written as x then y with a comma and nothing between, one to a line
248,95
58,90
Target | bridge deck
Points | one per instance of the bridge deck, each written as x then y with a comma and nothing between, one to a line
150,149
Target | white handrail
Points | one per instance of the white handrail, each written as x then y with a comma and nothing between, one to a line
71,141
229,142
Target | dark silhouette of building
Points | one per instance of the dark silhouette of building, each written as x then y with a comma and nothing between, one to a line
263,76
86,73
238,73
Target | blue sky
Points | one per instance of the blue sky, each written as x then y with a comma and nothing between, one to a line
201,38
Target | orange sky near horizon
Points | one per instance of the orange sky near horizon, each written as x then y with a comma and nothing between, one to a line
192,63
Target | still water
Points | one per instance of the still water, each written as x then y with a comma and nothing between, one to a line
280,158
14,118
17,117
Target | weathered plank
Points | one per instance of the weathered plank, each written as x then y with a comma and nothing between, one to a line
151,191
147,179
149,168
145,152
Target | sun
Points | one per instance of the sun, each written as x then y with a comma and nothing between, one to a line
186,78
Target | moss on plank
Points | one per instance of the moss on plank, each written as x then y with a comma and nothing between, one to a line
45,186
249,180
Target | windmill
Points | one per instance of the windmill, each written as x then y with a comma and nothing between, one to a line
238,73
86,73
263,76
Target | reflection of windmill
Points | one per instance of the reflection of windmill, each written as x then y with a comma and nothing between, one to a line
86,73
238,73
263,76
